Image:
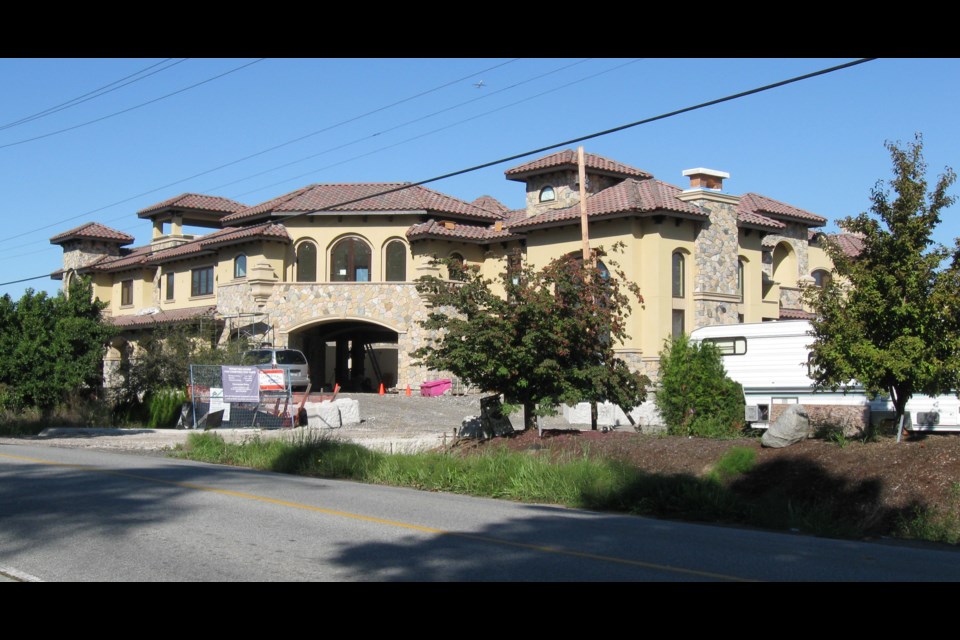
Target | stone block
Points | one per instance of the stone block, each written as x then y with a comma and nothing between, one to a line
323,415
349,410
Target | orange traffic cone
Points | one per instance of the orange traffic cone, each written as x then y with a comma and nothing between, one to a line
381,389
408,389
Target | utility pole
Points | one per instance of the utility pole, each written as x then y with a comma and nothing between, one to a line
587,254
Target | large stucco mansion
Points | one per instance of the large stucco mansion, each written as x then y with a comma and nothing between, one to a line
331,268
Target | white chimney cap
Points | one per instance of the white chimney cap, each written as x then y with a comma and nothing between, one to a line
700,171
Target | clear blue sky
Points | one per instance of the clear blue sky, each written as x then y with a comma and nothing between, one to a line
816,144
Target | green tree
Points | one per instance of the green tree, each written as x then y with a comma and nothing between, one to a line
160,364
548,339
52,347
696,397
889,320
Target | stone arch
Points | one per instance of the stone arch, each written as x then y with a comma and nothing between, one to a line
786,267
359,354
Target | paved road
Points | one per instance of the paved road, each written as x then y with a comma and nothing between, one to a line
73,514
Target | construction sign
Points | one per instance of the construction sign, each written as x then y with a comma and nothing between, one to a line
272,380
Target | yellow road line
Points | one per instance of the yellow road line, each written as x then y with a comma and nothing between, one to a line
391,523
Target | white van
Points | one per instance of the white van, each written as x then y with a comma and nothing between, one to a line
771,361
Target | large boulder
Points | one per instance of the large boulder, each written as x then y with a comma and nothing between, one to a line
322,415
793,425
349,410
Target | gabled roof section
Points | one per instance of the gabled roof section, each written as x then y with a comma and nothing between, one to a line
751,219
363,197
796,314
752,203
850,243
195,202
491,204
231,235
472,233
93,231
133,258
161,317
567,159
630,197
205,245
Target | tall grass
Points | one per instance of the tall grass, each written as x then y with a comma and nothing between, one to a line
591,483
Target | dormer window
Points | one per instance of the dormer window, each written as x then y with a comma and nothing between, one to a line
547,194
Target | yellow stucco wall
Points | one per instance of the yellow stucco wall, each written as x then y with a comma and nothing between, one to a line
325,231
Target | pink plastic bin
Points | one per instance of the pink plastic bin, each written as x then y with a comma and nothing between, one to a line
433,388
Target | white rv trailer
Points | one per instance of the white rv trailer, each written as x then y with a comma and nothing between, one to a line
770,360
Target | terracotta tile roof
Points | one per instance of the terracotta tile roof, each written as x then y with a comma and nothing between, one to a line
795,314
134,258
850,243
214,204
490,204
756,203
757,220
328,197
145,256
568,159
465,232
161,317
230,235
94,231
628,197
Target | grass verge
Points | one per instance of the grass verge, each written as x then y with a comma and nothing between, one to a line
734,491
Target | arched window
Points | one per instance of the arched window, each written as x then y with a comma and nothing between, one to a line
396,261
307,262
547,194
350,261
456,268
821,277
240,266
678,273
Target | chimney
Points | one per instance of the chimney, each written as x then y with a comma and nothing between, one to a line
701,178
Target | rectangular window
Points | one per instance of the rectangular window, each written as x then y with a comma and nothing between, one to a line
678,322
126,293
201,281
169,286
729,346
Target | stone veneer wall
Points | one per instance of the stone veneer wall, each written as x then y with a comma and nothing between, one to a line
562,183
80,253
796,235
715,292
291,305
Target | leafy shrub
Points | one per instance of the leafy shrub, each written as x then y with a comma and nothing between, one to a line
164,406
696,397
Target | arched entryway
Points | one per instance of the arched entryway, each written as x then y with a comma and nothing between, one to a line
355,354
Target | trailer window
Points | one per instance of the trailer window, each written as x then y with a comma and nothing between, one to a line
729,346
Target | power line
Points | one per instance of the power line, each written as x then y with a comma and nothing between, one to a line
583,138
263,151
129,109
3,284
399,126
406,140
598,134
96,93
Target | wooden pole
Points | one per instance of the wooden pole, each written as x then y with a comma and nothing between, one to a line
587,254
584,226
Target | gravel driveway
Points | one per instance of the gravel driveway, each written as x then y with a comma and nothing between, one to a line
390,423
